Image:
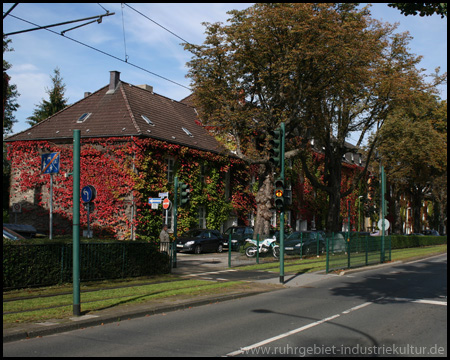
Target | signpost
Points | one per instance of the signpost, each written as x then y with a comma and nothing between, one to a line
166,204
88,193
50,165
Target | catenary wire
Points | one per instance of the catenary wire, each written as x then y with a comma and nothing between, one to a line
105,53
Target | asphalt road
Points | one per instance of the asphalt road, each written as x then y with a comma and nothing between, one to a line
398,310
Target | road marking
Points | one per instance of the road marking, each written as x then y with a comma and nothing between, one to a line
209,273
357,307
418,301
296,331
281,336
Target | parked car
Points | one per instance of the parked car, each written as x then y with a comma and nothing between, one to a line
305,241
200,240
27,231
238,236
11,234
431,232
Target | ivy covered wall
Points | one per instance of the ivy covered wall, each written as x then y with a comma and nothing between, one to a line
126,172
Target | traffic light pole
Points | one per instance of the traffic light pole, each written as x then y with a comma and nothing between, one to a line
282,209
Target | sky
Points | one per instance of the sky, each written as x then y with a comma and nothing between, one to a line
151,42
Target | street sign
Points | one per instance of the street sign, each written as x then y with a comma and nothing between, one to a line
154,201
16,208
88,193
386,224
50,163
163,195
166,204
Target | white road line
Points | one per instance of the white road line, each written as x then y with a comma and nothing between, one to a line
357,307
419,301
278,337
296,331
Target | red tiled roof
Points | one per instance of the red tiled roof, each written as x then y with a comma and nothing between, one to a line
120,114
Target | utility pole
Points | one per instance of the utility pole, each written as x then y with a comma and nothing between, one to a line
76,222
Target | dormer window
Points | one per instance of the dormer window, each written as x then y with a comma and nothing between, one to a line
83,118
187,132
147,120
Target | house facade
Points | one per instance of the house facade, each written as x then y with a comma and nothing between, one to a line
133,143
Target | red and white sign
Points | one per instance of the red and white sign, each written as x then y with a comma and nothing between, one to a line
166,204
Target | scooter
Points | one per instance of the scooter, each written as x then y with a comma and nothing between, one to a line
264,247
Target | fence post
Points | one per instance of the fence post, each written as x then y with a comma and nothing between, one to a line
348,251
62,264
367,249
257,248
123,260
328,254
301,246
317,243
229,250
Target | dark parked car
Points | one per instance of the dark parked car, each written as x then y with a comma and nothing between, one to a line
200,240
431,232
238,236
305,240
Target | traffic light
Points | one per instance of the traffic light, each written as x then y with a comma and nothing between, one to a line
276,147
279,194
184,193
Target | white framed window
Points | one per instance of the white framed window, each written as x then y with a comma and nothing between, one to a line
202,217
170,169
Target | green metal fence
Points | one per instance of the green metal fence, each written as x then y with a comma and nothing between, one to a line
344,252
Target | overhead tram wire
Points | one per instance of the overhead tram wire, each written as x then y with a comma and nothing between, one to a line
153,21
105,53
123,28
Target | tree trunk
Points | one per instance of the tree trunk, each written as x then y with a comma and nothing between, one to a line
334,195
264,205
416,206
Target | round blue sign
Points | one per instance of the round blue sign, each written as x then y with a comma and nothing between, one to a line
88,193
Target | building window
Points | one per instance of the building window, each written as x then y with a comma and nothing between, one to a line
83,118
202,217
170,169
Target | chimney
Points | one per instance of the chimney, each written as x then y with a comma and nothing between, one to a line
87,93
114,80
146,87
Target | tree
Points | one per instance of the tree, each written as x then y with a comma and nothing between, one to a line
413,149
56,101
10,93
326,70
424,9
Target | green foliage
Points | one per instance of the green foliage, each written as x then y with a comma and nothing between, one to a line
402,241
27,265
55,103
423,9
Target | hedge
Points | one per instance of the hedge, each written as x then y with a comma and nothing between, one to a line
402,241
26,265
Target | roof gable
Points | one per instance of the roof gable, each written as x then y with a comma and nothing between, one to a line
120,113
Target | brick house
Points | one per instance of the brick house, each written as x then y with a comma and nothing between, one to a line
134,142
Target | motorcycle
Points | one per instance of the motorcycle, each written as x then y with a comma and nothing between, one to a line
264,247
